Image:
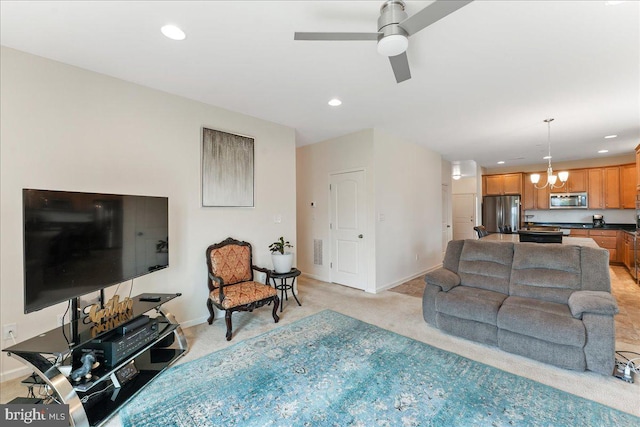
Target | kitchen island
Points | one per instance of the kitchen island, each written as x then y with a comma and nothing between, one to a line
579,241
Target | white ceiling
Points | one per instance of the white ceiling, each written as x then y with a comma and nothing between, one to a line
483,78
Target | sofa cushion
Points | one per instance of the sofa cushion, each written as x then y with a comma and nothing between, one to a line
595,269
486,265
544,320
564,356
470,303
549,272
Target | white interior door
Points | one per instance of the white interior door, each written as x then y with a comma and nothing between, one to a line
447,232
348,217
464,216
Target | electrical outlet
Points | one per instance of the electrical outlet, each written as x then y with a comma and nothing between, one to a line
8,329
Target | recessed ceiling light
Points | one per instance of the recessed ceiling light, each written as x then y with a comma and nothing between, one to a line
546,157
173,32
501,162
335,102
603,151
610,136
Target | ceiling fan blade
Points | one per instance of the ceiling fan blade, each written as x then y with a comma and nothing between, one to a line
400,65
335,36
430,14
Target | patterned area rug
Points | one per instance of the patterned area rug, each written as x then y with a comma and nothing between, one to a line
332,370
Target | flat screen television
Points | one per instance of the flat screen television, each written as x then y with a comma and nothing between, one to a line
77,243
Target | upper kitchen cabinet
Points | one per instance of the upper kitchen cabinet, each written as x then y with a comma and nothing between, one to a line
510,183
604,188
533,197
577,182
628,186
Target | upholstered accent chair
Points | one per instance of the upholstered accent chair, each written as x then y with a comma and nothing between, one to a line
231,284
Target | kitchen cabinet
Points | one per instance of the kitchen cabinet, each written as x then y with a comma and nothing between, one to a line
534,198
577,182
638,167
604,188
579,232
497,185
628,186
611,240
607,239
630,253
627,250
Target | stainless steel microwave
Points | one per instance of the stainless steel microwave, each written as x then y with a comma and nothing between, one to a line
568,201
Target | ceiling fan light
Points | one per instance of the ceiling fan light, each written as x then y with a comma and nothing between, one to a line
393,45
535,178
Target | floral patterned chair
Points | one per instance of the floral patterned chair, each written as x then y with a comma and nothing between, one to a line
231,284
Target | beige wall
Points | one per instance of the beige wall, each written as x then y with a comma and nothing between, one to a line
65,128
404,184
408,187
315,163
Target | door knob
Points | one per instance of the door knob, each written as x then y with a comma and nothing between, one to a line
359,236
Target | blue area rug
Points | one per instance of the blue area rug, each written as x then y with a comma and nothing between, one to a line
332,370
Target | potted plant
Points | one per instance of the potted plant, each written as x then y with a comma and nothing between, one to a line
282,261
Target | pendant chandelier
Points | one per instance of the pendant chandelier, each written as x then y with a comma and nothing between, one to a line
551,178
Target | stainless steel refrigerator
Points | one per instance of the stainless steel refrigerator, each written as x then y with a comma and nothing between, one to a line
501,213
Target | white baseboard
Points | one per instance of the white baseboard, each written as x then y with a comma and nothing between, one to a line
194,322
315,277
406,279
11,374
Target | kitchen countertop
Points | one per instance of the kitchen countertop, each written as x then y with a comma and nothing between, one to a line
582,225
579,241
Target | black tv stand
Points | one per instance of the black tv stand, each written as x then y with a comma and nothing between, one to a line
93,401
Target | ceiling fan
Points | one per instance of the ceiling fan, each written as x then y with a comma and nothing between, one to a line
394,28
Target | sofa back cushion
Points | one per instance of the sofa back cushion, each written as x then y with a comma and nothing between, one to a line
549,272
452,255
595,269
486,265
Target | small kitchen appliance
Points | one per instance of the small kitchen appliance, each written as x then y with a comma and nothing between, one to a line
598,221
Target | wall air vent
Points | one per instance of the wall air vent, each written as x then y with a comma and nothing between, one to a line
317,251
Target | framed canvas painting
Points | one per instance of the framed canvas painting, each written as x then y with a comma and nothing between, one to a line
227,169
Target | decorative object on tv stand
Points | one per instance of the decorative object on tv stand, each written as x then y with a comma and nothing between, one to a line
551,178
282,261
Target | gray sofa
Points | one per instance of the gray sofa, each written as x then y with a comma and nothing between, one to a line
549,302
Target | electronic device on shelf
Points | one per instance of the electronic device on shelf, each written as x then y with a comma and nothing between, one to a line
124,374
116,346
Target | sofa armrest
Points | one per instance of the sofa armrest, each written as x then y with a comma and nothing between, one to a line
596,302
443,278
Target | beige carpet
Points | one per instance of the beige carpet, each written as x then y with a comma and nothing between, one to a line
402,314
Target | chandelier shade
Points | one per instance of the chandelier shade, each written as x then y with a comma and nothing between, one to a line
551,178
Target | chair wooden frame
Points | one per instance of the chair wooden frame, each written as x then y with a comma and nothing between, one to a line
216,283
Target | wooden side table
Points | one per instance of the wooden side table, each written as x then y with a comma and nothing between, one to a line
285,287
